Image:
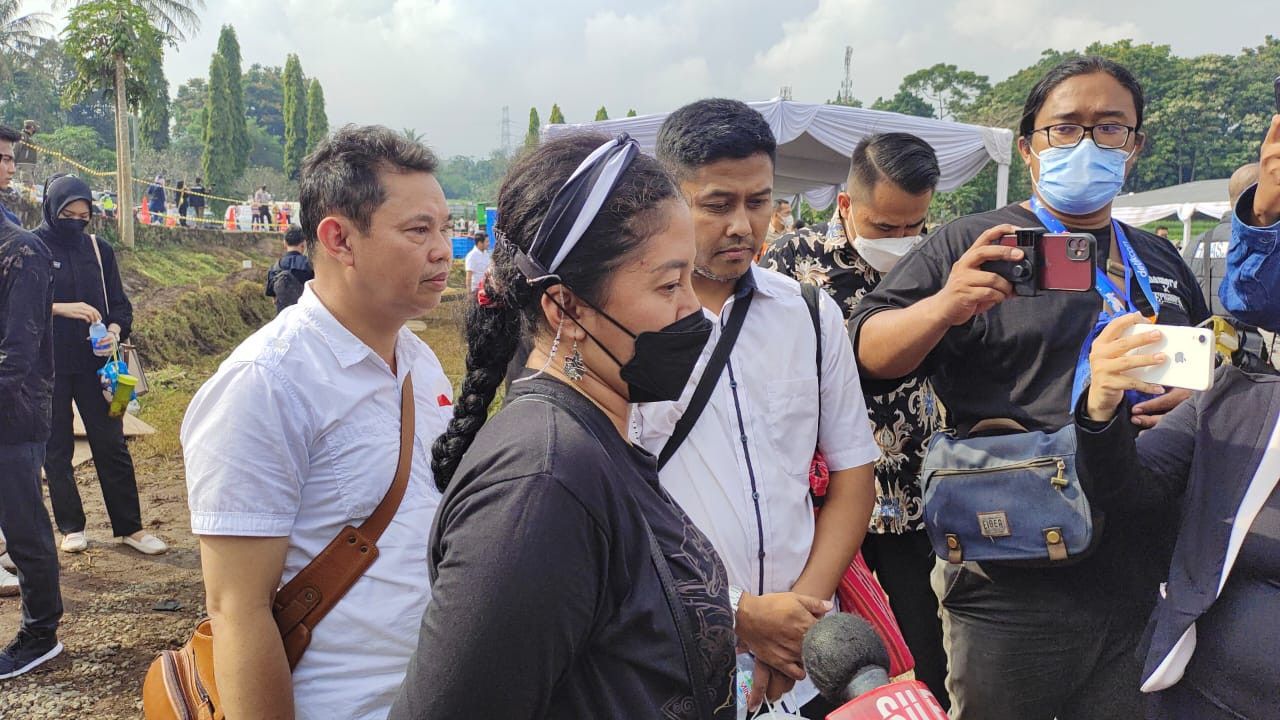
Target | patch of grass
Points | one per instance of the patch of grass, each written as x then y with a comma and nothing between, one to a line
201,323
163,408
1198,227
178,265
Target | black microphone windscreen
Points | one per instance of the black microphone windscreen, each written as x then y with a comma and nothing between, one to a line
836,648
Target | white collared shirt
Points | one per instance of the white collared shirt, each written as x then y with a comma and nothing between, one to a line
298,435
742,475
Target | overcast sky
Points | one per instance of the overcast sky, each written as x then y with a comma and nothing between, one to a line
447,67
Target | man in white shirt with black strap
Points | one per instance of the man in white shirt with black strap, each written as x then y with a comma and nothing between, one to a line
297,435
742,473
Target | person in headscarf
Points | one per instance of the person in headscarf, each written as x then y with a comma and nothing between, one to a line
86,292
156,199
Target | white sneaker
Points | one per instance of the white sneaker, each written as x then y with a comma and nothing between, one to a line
74,543
7,563
8,584
148,544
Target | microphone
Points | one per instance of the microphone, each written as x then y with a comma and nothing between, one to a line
848,664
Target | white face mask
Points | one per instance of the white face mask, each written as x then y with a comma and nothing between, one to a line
883,253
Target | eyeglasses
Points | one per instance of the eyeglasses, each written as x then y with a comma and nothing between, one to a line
1111,136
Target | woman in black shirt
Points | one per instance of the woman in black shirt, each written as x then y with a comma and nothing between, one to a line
548,598
87,290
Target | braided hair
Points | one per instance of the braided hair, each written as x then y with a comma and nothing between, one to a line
628,218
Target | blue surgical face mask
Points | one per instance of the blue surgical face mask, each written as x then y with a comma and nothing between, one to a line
1082,179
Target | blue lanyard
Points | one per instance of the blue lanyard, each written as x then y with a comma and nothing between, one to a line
1114,302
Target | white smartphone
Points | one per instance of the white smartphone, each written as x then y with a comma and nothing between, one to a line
1190,352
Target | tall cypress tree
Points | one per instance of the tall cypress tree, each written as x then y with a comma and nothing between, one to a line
218,161
602,114
229,49
557,117
317,120
631,112
295,116
154,124
534,133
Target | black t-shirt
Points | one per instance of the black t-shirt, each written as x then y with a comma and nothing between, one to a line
1018,361
546,602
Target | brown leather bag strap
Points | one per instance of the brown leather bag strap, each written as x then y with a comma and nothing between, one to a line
386,510
304,601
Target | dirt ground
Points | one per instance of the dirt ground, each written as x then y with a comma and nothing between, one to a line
110,630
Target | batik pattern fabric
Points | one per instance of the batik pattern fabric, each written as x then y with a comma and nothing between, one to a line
903,418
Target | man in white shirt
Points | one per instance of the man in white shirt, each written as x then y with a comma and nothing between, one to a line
742,474
477,262
297,435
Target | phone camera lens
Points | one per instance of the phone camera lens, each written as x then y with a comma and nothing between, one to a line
1202,339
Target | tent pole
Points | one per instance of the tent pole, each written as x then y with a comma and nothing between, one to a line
1002,185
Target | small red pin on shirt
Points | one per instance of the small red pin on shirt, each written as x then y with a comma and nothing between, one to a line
444,401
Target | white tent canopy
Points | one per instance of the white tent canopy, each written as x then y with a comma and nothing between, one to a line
816,141
1207,197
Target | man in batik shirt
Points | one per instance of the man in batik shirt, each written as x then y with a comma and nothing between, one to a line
879,219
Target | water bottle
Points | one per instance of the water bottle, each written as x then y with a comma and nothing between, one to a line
97,332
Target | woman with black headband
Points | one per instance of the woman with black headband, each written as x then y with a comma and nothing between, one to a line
566,584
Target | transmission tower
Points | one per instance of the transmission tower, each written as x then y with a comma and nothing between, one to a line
506,130
845,97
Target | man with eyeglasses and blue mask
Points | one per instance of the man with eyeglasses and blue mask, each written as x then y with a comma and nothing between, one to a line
1038,643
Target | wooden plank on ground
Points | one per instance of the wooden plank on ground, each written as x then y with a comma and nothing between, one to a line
133,427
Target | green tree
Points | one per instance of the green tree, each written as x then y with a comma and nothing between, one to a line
267,152
187,106
264,98
33,88
557,117
80,143
413,136
229,49
154,124
219,131
534,133
295,116
949,89
20,35
602,114
631,112
114,47
317,120
906,103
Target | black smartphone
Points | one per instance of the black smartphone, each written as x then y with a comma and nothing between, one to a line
1277,86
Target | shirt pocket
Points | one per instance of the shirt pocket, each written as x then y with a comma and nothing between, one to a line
364,455
792,423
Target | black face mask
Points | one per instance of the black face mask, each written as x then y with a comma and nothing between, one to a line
664,359
69,227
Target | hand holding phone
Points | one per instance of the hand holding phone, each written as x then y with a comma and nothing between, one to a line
1188,353
1052,261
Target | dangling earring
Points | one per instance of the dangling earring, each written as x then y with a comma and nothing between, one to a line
574,368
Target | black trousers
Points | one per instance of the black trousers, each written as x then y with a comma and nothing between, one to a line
903,564
111,458
1037,650
29,536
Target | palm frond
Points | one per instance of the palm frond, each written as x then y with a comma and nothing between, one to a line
174,18
22,34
